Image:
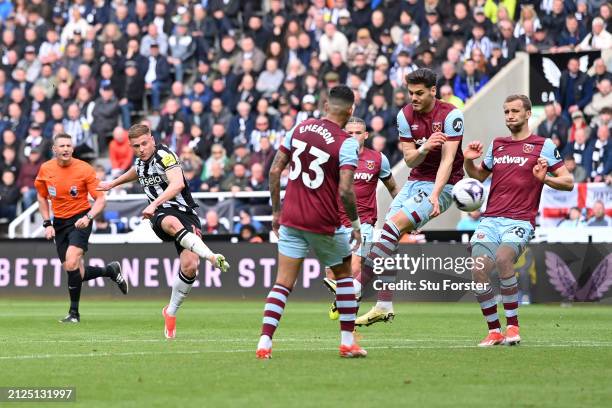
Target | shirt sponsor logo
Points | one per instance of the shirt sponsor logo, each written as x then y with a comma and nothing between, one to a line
168,160
150,181
528,148
510,160
363,176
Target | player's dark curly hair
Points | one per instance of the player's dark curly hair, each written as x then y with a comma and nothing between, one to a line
342,93
423,76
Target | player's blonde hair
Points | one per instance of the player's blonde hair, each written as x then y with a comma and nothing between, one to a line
138,130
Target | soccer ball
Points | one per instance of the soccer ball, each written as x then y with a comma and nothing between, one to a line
468,194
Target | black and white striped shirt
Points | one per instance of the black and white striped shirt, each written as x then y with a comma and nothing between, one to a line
152,177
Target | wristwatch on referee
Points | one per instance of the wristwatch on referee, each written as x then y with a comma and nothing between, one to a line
89,216
47,223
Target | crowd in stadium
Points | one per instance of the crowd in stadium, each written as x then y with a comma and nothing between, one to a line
222,81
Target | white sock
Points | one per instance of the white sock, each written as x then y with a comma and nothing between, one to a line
386,306
193,243
180,289
346,338
265,342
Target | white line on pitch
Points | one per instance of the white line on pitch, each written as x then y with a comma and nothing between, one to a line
190,352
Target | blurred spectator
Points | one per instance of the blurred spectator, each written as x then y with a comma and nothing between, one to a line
479,40
270,79
554,18
131,99
578,147
9,161
188,156
598,156
9,195
246,219
362,45
182,48
257,180
469,82
120,152
241,125
217,155
79,128
599,71
211,224
265,156
154,38
575,90
191,176
101,225
178,138
105,112
470,222
576,170
598,39
248,234
446,94
578,122
157,75
213,182
34,140
573,220
27,174
553,126
333,41
571,36
599,218
601,99
237,180
249,51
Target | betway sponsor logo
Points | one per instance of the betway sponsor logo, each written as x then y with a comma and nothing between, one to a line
363,176
319,130
510,160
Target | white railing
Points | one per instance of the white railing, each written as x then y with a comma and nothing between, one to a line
34,229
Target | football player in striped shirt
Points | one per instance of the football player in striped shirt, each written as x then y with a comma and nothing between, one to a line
171,211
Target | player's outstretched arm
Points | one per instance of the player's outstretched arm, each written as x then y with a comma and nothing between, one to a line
278,165
449,149
561,178
175,185
474,151
126,177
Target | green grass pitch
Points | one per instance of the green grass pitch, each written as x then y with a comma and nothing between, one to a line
427,357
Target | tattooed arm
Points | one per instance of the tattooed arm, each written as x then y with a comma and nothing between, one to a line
278,165
349,201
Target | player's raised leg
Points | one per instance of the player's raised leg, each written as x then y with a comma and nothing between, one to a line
192,242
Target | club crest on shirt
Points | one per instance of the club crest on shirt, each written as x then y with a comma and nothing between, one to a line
370,164
436,126
52,191
528,148
74,191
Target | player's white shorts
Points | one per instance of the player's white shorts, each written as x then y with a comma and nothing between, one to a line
413,200
495,231
331,250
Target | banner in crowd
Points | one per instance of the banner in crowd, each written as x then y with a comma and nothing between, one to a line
555,204
428,272
545,72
